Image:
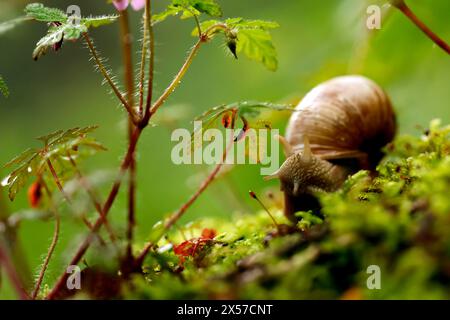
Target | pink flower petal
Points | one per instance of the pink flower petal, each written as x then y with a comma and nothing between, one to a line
138,4
121,5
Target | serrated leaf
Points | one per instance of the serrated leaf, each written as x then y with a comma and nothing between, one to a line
257,45
95,22
61,27
251,37
39,12
244,109
209,7
3,87
57,145
241,23
21,158
56,35
189,8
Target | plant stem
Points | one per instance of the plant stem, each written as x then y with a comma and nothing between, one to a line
142,64
151,71
175,82
129,82
403,7
12,273
93,197
123,167
65,195
105,74
52,247
57,181
174,217
105,210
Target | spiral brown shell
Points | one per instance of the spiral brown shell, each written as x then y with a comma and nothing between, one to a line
345,117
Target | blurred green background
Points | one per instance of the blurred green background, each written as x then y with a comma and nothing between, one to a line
316,41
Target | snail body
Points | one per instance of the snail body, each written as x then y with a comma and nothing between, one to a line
338,128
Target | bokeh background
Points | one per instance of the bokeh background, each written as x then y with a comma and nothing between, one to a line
316,41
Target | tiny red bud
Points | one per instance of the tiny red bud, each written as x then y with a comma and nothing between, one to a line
226,120
35,194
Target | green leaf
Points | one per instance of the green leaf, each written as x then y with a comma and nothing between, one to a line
241,23
57,35
21,158
188,9
209,7
257,45
251,37
95,22
39,12
248,110
61,26
3,87
57,146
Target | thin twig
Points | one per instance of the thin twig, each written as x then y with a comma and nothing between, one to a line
124,166
176,81
151,71
93,197
403,7
12,273
142,65
52,247
99,222
105,74
66,196
174,217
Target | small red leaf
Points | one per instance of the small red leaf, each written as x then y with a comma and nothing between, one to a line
209,233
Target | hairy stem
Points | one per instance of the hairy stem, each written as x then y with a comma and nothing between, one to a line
124,166
174,217
98,207
65,195
151,67
105,210
403,7
105,74
175,82
129,82
142,64
52,247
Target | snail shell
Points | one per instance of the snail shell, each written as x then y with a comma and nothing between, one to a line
338,128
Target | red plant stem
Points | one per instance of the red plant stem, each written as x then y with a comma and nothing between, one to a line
12,273
129,83
124,166
57,181
52,247
151,67
175,82
107,206
403,7
179,213
61,189
108,79
91,193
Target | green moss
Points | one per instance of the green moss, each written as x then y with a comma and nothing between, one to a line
399,221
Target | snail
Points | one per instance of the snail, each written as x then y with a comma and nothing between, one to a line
339,128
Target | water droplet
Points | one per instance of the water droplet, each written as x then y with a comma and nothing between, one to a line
4,182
